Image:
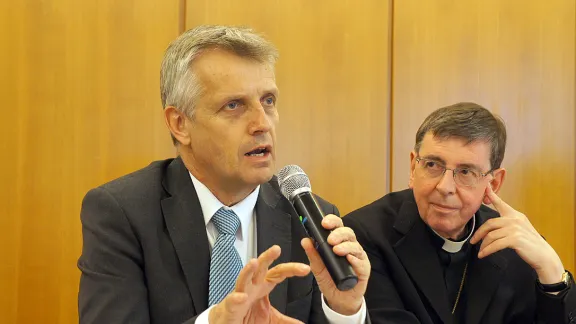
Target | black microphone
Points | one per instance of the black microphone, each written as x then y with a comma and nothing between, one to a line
295,186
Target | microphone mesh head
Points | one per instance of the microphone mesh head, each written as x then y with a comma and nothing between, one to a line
292,180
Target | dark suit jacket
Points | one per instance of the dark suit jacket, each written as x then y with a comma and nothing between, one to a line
407,283
146,258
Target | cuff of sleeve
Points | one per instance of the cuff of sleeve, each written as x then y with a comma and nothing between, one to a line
336,318
203,317
552,308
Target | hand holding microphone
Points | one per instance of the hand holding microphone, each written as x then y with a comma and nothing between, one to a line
337,251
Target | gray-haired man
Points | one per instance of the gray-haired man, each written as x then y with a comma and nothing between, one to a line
176,242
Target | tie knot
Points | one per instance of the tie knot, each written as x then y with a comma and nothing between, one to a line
226,221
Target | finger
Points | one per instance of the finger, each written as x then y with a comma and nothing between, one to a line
286,270
496,201
316,263
245,276
493,236
360,266
489,226
330,222
264,261
262,304
235,304
341,234
346,248
486,200
494,247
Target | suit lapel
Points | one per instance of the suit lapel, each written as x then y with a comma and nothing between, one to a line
419,257
484,278
185,223
273,225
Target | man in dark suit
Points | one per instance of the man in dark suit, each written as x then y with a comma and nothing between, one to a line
177,241
439,256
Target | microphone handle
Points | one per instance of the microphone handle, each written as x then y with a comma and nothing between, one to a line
311,215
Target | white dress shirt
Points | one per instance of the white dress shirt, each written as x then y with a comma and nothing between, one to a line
246,243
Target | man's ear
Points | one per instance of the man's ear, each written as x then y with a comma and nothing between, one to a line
413,155
177,121
496,182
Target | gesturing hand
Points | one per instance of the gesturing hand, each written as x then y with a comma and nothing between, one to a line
249,302
513,230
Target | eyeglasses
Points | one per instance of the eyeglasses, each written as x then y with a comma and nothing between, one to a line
462,176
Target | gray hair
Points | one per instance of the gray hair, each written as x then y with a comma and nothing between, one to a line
470,122
178,85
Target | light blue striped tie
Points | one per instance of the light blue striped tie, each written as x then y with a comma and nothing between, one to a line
225,264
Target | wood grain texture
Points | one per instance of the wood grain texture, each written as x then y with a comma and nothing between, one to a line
516,58
81,106
333,78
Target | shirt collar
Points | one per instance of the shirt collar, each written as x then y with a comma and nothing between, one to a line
210,205
453,246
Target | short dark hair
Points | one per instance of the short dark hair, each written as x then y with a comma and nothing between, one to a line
470,122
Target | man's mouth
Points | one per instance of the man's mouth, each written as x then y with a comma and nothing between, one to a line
444,207
259,151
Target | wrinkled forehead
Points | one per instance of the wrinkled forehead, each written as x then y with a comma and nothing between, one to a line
222,71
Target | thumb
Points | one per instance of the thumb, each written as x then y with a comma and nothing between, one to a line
230,310
316,263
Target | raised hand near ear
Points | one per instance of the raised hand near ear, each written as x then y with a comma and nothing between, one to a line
513,230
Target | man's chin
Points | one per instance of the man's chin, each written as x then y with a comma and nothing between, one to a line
260,177
444,226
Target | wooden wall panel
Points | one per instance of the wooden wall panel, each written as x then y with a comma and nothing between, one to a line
79,84
516,58
333,76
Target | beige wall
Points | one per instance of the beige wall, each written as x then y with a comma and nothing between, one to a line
80,106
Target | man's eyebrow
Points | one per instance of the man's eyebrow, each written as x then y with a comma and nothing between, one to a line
436,158
469,166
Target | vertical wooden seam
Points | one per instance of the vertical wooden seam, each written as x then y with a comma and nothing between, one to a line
390,126
182,17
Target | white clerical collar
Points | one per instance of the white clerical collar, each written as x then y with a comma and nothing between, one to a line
452,246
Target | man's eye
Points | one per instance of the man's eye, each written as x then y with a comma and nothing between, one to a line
269,101
469,173
430,164
232,105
